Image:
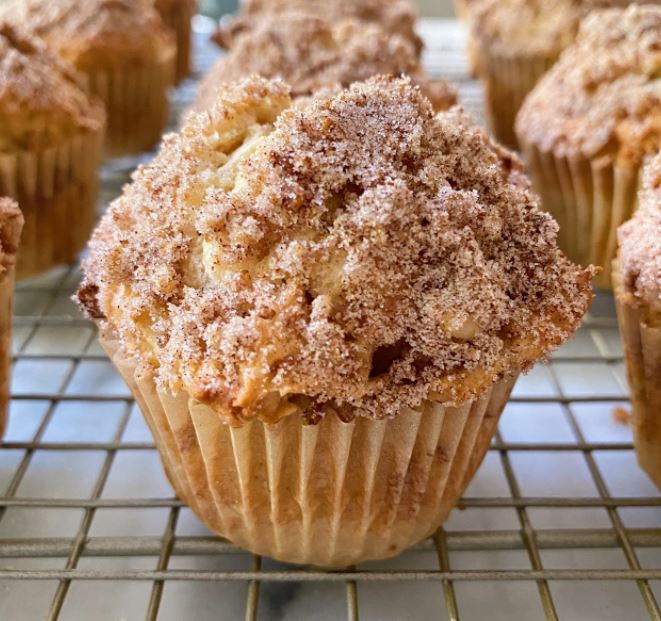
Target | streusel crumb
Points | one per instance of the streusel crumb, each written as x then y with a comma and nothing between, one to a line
357,256
311,53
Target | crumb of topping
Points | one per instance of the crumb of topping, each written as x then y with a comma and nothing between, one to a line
42,101
355,256
395,16
311,53
11,226
621,416
640,243
95,35
603,96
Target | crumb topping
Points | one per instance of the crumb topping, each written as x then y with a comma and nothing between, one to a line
11,226
42,100
640,241
357,256
395,16
309,53
95,34
603,96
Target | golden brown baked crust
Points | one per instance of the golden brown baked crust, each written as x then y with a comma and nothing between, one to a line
395,16
640,246
95,35
357,255
169,5
42,101
311,53
603,97
11,225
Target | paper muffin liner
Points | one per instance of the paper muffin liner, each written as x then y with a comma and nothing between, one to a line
136,100
56,189
642,352
589,198
6,299
178,19
507,81
332,494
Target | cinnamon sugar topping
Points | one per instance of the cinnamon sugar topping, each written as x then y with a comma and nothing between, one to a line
42,101
640,242
310,53
603,97
11,226
355,256
395,16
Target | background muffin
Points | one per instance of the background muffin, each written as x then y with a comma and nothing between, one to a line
587,126
512,43
637,281
395,16
125,52
11,224
311,53
177,15
308,294
51,132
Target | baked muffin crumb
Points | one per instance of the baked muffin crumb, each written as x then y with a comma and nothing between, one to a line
356,256
11,225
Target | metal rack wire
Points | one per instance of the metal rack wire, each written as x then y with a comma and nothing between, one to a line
76,453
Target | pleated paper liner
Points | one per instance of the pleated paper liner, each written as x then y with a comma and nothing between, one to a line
178,19
642,351
589,199
332,494
6,298
507,81
56,190
136,100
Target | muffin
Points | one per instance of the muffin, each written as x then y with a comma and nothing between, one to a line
322,311
637,283
587,126
177,15
395,16
124,50
310,54
51,134
11,223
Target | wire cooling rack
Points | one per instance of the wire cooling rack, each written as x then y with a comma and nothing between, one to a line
559,522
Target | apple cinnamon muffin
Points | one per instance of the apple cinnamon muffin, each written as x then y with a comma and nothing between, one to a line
395,16
637,283
589,123
322,311
125,52
11,224
311,53
51,134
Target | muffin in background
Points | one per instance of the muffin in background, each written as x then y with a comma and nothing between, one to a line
395,16
323,309
124,50
589,123
51,135
637,283
177,15
11,224
312,53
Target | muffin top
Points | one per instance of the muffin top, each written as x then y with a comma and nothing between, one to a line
640,244
95,35
396,16
603,96
42,102
311,53
357,255
533,27
11,225
168,5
